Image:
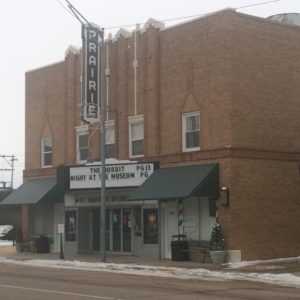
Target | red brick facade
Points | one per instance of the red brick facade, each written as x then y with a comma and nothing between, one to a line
241,72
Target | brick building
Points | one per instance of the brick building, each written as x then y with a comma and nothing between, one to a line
214,98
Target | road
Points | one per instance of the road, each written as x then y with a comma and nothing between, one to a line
32,283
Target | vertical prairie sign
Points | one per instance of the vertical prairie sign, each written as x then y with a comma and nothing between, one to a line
91,37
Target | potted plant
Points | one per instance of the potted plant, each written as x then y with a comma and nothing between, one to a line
216,243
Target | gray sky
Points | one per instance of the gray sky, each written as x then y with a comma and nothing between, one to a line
36,33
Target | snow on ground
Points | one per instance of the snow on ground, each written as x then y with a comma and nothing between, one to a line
263,262
6,243
284,279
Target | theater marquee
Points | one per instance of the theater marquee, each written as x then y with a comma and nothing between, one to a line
121,175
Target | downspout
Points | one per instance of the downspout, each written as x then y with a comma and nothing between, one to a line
107,74
135,65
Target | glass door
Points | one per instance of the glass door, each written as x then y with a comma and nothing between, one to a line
96,229
107,228
116,230
126,229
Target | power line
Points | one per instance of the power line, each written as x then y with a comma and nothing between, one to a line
192,16
8,162
73,11
257,4
77,13
74,14
65,8
100,33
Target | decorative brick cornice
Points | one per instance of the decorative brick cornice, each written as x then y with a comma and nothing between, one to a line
186,157
39,173
225,153
265,154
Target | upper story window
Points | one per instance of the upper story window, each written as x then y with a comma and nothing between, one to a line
191,131
136,136
47,151
82,144
110,139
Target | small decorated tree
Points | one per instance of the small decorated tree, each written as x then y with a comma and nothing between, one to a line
217,238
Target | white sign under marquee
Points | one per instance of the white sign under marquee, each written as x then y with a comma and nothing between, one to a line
60,228
117,175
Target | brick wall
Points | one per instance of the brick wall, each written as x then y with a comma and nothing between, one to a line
265,84
263,217
52,109
195,67
45,113
240,72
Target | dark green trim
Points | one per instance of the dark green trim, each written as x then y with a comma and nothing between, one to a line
35,191
180,182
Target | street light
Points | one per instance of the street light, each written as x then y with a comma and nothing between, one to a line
93,45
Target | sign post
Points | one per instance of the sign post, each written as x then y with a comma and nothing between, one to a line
93,107
103,185
92,78
60,230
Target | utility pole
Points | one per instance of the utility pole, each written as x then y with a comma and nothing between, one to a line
103,156
91,34
9,160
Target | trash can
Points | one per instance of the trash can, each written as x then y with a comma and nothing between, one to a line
42,244
179,243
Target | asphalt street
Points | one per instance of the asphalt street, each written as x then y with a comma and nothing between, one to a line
24,282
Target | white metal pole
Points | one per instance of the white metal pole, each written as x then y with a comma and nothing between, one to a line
102,120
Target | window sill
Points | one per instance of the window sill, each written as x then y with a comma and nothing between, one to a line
136,156
191,149
81,162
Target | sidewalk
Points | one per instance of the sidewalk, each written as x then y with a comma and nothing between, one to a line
111,258
280,266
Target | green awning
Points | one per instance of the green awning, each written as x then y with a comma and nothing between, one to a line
34,191
180,182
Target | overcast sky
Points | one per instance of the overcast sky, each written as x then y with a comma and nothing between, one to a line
35,33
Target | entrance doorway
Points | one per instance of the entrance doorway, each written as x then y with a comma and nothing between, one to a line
118,230
170,228
96,229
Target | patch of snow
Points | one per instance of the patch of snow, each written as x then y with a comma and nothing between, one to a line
263,267
261,262
6,243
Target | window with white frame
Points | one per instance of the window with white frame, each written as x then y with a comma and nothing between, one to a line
46,151
136,136
110,139
191,131
82,144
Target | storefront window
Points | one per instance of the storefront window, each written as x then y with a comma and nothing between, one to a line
212,206
70,226
150,226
